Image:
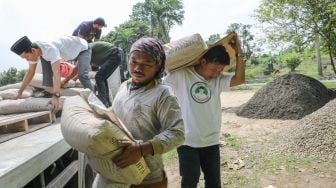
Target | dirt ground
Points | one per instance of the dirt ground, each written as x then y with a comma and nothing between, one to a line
243,168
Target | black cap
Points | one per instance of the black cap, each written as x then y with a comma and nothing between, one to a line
22,45
100,21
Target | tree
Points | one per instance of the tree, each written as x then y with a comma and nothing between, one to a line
20,75
293,62
244,34
160,15
11,76
127,33
213,38
124,36
298,21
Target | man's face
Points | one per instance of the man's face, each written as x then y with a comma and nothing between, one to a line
30,56
210,70
142,67
98,27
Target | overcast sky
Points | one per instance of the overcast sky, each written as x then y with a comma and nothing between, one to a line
47,19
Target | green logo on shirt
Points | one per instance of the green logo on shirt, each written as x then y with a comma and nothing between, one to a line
200,92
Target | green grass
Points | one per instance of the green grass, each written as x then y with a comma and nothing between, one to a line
237,179
231,141
255,73
264,166
244,87
272,164
170,157
330,85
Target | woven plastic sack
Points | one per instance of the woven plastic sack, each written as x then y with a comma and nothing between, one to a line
78,84
11,86
12,93
71,91
183,52
26,105
97,138
188,50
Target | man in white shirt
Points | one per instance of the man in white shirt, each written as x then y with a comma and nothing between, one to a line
51,54
198,91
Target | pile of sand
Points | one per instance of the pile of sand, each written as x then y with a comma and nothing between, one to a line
291,96
314,135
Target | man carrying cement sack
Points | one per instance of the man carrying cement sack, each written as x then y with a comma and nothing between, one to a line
51,54
198,90
107,57
149,111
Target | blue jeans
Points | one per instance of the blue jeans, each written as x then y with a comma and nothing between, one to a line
84,59
193,160
105,71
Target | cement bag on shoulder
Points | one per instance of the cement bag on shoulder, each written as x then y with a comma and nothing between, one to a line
12,93
97,138
11,86
188,50
183,52
38,78
26,105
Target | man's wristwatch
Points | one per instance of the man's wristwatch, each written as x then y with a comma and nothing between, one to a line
57,94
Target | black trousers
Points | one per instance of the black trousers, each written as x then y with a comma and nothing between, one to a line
193,160
104,72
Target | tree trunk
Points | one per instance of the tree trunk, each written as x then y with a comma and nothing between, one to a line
331,59
318,55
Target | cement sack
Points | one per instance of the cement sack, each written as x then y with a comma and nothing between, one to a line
106,113
184,51
71,91
91,76
11,86
12,93
38,78
97,138
26,105
187,51
78,84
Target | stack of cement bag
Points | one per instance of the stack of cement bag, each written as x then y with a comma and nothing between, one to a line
71,88
28,103
87,131
188,50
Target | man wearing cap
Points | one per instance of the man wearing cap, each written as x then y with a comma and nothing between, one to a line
90,30
198,90
50,54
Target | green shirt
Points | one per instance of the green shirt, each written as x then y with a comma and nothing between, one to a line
101,51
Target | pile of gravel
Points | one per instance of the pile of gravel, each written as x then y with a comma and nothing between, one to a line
314,135
291,96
